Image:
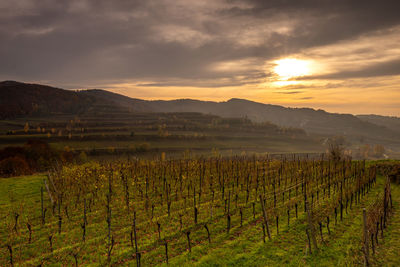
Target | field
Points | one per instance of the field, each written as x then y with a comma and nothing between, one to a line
152,133
216,211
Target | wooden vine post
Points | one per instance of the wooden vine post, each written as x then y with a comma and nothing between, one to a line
42,204
188,239
365,238
208,233
265,216
137,253
10,250
311,225
166,250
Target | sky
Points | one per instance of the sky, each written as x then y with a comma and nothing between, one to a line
336,55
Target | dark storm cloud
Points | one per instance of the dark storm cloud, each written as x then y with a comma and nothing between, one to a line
378,69
102,40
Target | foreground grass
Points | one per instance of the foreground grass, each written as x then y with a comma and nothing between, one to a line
22,190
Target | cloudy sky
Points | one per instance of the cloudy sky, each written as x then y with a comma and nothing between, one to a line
341,56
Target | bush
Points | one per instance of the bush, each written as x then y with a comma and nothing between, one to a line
67,156
336,148
14,166
144,147
82,157
32,157
39,155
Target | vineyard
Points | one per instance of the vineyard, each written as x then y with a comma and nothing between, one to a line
151,212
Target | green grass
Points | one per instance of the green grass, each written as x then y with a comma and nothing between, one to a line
19,190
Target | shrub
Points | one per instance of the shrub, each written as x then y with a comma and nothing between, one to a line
144,147
14,166
82,157
336,148
32,157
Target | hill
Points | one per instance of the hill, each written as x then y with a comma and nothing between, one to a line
118,101
23,99
313,121
20,99
392,123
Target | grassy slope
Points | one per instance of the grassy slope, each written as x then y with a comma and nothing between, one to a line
22,189
16,194
244,247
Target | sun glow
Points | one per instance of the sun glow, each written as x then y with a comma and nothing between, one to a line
288,68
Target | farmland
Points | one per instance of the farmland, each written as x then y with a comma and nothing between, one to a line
239,210
124,133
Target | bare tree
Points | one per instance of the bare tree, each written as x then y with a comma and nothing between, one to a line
336,148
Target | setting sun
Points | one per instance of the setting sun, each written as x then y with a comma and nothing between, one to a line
290,67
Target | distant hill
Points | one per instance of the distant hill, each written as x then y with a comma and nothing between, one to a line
20,99
316,121
392,123
121,101
23,99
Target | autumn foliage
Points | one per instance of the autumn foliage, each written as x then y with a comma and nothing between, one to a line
34,156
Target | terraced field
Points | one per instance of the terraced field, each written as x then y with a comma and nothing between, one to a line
152,133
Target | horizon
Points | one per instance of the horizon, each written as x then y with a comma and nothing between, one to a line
333,56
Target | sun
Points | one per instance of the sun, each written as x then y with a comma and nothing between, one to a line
288,68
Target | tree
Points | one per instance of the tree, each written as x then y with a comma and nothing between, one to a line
26,127
379,150
365,151
162,130
336,148
14,166
82,158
